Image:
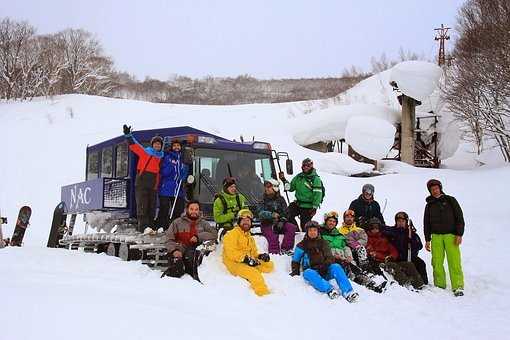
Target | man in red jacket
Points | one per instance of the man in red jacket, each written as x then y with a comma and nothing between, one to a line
384,255
147,178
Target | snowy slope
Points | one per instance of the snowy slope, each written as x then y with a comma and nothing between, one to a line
59,294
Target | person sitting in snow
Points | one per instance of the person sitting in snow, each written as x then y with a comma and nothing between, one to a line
337,242
404,237
365,207
227,204
314,254
308,188
383,255
173,175
183,236
241,257
147,179
273,217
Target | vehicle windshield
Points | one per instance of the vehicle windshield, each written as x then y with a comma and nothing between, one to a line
249,169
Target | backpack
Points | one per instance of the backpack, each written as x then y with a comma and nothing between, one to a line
224,202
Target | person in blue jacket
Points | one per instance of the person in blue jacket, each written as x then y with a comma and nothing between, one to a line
173,177
319,266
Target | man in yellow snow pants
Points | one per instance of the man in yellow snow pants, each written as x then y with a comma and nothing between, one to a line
241,257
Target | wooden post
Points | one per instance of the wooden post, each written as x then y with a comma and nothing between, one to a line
407,130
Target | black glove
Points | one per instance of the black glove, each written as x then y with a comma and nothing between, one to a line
250,261
127,129
294,273
264,257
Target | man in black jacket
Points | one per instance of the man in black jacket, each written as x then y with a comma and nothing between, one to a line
365,207
443,225
404,237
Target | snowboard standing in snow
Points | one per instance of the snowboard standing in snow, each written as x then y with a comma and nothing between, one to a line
21,226
58,225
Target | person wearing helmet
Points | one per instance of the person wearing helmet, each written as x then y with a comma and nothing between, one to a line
147,178
241,256
309,193
336,240
404,237
273,214
443,226
173,177
365,207
383,255
227,204
314,255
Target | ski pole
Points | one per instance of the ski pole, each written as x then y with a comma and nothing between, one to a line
175,198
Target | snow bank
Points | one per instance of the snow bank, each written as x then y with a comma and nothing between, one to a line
369,136
416,79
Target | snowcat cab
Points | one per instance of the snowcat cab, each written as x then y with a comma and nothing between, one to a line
107,199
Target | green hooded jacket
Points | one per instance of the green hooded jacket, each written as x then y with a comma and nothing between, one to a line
226,219
308,188
334,238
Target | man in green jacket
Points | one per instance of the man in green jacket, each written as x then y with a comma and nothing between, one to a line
309,193
227,203
443,225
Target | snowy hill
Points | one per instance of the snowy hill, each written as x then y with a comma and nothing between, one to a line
59,294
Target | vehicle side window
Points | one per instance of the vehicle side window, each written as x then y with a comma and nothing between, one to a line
121,160
93,165
107,162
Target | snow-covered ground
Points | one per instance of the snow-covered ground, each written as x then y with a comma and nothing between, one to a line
60,294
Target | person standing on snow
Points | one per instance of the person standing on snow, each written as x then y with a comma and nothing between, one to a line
273,216
147,178
173,175
309,193
227,204
365,207
443,226
404,237
241,257
183,236
314,254
383,255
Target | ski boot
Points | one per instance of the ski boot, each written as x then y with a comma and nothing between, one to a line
458,292
352,297
333,294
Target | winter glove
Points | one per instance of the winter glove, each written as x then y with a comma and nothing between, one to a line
250,261
294,273
127,129
264,257
296,266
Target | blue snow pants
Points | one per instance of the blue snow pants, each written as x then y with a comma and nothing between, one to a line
322,284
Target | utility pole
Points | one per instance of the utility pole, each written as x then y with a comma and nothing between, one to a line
442,35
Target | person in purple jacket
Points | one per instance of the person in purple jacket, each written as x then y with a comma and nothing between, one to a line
173,175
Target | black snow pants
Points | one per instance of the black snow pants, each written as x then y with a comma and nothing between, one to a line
145,195
165,205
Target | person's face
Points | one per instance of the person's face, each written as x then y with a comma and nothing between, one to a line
245,223
348,219
269,190
331,223
367,195
193,210
232,189
313,233
307,167
176,147
374,229
435,190
401,223
157,146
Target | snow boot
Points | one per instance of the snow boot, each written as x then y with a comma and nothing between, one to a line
333,294
352,297
458,292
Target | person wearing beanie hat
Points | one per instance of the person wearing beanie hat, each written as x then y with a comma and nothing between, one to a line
227,204
365,207
314,254
309,193
443,226
273,214
241,256
172,185
404,237
147,178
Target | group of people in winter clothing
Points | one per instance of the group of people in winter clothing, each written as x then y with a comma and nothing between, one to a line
362,248
160,175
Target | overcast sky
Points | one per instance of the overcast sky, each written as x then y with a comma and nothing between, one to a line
266,39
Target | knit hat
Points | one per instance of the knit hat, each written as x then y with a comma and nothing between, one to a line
156,139
402,215
433,182
368,188
373,222
228,181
